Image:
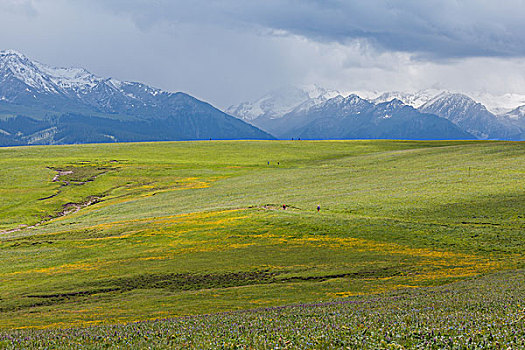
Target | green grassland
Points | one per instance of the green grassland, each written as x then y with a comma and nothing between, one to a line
104,234
476,313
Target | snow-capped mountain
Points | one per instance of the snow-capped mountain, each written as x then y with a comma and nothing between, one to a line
44,79
353,117
29,82
70,105
517,114
516,117
471,116
414,99
466,113
500,104
496,104
300,116
44,104
278,102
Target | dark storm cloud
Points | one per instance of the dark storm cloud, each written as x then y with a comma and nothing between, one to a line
429,29
229,51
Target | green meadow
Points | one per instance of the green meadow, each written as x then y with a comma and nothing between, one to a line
114,233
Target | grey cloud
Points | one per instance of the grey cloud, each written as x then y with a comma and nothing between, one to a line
227,51
428,29
24,7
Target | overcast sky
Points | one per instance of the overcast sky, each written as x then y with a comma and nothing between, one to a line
228,51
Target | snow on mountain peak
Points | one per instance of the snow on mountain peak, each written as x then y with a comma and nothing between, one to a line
13,63
396,103
390,107
517,114
456,101
414,99
337,99
43,78
500,104
21,77
279,102
10,52
70,78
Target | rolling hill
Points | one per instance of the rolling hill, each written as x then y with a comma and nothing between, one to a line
113,233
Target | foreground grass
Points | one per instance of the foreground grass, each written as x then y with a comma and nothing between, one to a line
481,313
189,228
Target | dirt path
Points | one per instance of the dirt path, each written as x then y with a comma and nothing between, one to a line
67,209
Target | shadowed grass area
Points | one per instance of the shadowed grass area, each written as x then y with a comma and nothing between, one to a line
484,313
198,227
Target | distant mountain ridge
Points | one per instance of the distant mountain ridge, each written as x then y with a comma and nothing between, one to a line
516,116
71,105
472,117
469,116
40,104
355,118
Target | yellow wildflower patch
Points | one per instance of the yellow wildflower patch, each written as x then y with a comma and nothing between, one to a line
80,266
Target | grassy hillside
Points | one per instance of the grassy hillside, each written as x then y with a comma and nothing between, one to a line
125,232
479,313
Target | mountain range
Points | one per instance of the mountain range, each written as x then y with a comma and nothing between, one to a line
352,117
40,104
388,115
